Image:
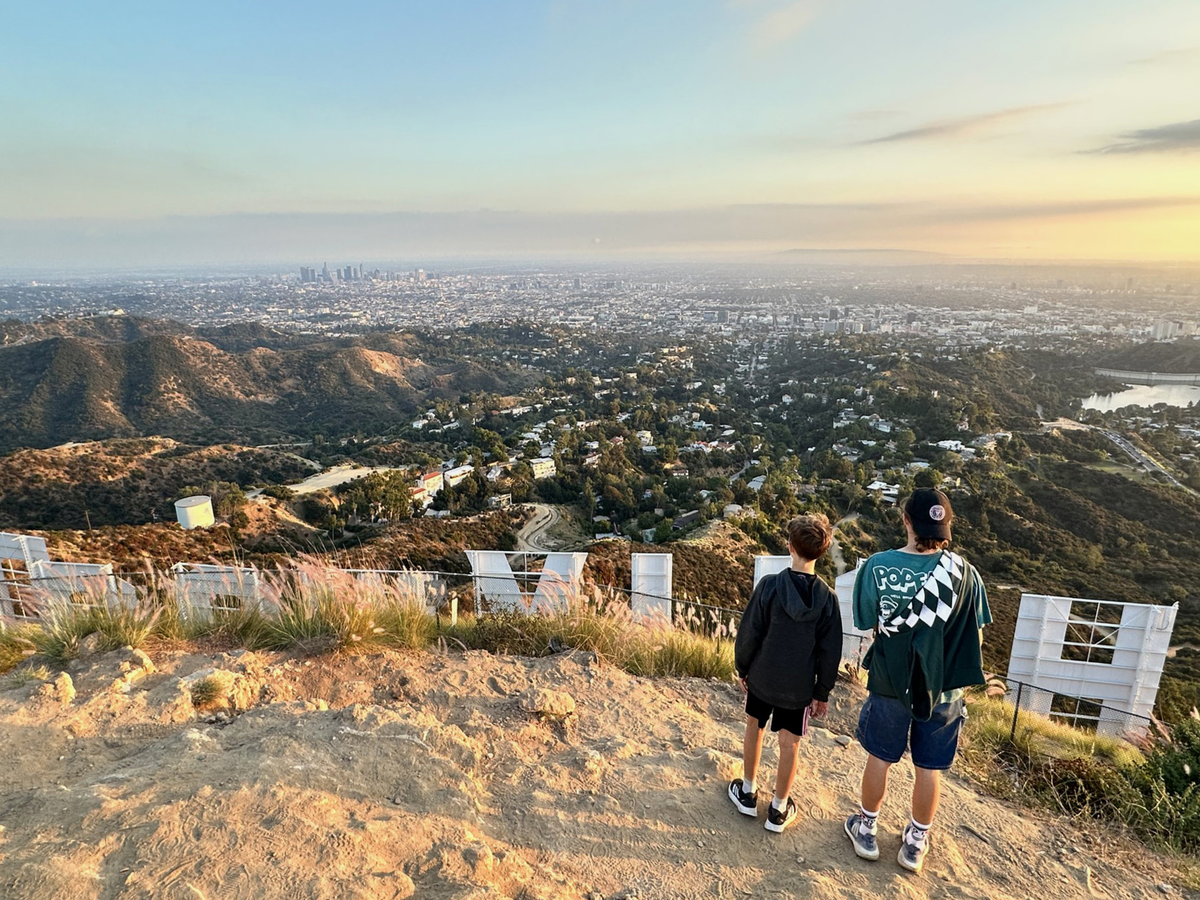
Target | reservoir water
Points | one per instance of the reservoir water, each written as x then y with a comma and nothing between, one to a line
1145,395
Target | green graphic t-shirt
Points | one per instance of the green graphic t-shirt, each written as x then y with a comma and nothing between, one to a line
888,581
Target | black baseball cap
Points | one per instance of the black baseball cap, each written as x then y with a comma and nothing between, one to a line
929,511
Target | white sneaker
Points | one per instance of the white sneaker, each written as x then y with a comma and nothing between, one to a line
912,854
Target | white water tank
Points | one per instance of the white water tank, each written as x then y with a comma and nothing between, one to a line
194,512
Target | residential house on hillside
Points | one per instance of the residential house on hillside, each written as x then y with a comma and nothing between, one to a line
457,474
543,467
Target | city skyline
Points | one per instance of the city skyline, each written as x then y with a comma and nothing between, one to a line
1057,130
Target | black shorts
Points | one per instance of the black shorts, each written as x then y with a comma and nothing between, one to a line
793,720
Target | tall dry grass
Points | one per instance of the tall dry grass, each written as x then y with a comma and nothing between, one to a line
307,606
601,622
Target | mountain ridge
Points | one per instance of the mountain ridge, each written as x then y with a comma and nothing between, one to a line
221,384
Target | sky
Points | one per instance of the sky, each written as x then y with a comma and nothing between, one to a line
138,133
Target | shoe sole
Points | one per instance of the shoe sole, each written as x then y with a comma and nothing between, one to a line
906,865
778,829
858,851
744,810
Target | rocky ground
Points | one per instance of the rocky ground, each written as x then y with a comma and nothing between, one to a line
464,775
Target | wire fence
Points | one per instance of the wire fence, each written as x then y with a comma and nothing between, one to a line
25,596
1029,701
220,588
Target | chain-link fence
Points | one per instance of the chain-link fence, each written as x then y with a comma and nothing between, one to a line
24,596
1033,706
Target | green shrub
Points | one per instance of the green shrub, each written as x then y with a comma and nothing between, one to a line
23,676
62,630
1169,784
14,645
1079,773
124,626
1178,763
247,627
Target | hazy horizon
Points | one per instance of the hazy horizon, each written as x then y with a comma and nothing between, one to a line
731,129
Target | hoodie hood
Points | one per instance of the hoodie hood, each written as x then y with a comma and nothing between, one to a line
798,595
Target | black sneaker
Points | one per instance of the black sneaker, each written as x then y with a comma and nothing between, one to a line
747,804
779,819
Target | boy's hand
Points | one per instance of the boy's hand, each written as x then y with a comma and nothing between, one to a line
742,682
818,708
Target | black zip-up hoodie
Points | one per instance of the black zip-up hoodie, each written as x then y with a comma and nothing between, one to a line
789,642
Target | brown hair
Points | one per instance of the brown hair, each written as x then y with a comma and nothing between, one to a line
810,536
927,544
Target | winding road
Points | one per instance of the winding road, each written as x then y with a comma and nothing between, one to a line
532,537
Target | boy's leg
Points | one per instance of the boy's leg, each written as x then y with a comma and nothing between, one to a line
789,751
751,750
742,791
927,791
934,746
874,783
883,727
782,811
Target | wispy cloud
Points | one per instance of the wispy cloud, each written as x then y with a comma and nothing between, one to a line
782,23
963,126
1055,209
1175,54
1174,138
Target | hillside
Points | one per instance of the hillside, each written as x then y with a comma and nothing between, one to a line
717,569
124,482
1182,355
240,383
395,775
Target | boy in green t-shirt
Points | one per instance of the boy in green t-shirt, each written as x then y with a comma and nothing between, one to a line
927,607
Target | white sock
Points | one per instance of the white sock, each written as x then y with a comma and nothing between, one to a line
748,785
918,832
868,820
779,803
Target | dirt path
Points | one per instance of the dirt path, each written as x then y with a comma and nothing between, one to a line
389,776
835,546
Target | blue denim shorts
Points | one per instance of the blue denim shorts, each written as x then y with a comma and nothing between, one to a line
886,730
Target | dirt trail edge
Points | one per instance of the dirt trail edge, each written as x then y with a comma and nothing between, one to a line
464,776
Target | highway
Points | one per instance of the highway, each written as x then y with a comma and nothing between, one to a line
1142,459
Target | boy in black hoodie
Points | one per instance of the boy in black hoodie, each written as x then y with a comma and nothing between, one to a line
788,648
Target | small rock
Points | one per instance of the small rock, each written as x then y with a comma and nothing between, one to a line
198,675
478,856
551,704
61,689
843,739
800,860
64,687
403,886
90,645
1163,888
136,660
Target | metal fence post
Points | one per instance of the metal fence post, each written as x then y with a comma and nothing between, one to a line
1012,736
